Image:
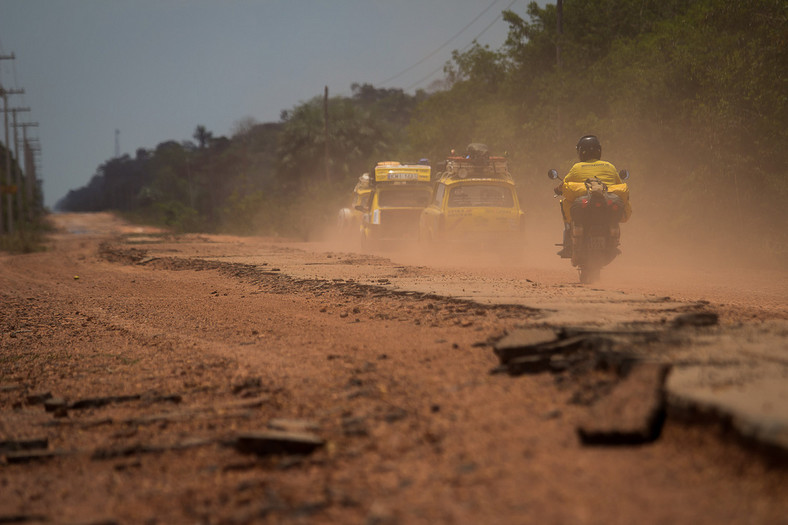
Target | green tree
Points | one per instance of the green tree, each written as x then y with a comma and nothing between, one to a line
202,136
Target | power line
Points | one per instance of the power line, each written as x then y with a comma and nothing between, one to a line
384,82
476,38
500,16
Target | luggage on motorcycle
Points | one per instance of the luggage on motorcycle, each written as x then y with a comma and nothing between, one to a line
574,191
583,208
622,191
594,185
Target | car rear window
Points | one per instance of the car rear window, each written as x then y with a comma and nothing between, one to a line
404,197
481,195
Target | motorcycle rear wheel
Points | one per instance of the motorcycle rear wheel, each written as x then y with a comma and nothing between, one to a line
589,274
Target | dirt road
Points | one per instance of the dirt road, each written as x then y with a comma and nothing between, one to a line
142,374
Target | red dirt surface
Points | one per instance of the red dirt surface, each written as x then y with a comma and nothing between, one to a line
416,429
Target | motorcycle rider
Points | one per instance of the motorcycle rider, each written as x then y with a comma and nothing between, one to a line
589,150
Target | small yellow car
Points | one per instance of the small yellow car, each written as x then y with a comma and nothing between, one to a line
474,206
391,213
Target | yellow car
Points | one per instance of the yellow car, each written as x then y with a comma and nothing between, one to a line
474,206
391,213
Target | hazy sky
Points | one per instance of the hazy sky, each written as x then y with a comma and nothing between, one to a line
155,69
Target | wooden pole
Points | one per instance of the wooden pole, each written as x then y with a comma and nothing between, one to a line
325,136
558,62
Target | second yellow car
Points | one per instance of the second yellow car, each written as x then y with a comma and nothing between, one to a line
474,206
391,214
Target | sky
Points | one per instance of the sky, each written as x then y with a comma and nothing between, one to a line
156,69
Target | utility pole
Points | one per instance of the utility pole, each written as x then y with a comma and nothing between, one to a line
558,63
30,173
5,93
325,135
117,143
17,175
32,161
559,30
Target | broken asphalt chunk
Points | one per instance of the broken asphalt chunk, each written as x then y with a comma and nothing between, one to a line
97,402
354,426
528,364
15,445
247,384
29,456
696,319
522,342
292,425
533,351
55,404
632,413
142,448
38,398
277,442
23,518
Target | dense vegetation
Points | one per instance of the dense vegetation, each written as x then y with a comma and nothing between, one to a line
688,94
22,221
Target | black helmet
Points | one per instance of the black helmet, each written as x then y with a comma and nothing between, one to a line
589,148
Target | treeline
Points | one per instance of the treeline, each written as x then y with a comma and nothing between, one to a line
268,179
21,202
691,95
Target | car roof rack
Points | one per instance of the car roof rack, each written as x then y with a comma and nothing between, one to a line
476,168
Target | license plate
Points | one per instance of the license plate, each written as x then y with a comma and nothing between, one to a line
595,243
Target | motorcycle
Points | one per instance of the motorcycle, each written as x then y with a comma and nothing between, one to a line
593,232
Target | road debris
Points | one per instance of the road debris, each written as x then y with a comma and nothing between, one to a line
277,442
632,413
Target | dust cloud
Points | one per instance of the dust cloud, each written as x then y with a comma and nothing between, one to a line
694,250
648,238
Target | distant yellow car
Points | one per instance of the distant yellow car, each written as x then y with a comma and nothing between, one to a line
399,192
474,206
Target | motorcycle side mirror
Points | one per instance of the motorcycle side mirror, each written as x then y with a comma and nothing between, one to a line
624,174
553,174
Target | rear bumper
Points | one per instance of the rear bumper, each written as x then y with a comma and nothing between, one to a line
480,237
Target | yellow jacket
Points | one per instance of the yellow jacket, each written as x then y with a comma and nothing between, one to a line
604,171
574,186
